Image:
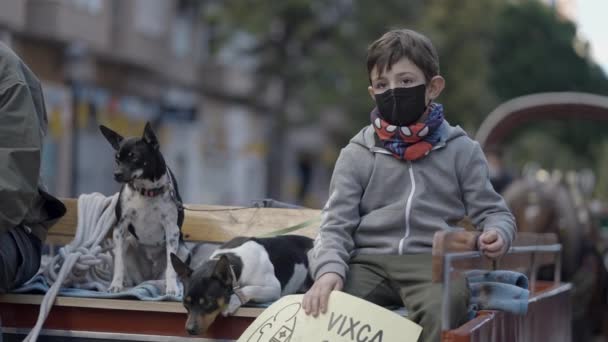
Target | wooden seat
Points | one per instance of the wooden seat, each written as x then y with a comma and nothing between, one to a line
130,318
162,321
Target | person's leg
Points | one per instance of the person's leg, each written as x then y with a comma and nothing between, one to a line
8,265
366,279
412,274
19,258
31,253
9,261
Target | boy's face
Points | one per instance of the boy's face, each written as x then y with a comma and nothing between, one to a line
404,74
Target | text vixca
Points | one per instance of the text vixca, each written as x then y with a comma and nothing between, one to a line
344,326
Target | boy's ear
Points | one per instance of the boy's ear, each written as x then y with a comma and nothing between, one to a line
150,137
222,270
112,137
435,87
183,271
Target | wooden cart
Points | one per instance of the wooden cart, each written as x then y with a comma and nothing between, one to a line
548,317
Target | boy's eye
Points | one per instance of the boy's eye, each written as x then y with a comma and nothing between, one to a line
380,85
406,81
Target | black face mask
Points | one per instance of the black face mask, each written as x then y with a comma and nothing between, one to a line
402,106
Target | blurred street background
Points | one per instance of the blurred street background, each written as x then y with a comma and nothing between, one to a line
254,99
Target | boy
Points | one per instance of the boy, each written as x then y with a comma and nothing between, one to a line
401,179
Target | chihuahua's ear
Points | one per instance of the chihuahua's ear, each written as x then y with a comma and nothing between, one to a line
222,270
114,138
150,137
183,271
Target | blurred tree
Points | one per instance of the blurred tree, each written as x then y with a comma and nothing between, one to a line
309,52
537,51
311,55
540,142
284,34
463,33
340,76
461,30
534,51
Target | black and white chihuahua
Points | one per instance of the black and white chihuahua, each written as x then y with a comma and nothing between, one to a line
242,270
149,214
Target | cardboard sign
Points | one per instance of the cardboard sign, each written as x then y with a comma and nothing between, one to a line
348,319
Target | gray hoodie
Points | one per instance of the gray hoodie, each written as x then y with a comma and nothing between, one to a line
379,204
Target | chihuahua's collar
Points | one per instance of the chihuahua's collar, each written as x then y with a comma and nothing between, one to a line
150,192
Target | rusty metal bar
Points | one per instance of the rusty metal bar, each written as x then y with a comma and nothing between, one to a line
447,268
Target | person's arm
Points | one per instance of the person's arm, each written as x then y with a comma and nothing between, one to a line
331,253
340,217
486,208
20,152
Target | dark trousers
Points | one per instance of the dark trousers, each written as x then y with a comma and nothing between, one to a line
390,280
19,258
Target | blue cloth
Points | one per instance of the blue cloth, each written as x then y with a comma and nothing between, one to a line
498,276
497,290
152,290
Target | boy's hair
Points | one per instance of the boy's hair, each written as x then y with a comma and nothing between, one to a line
396,44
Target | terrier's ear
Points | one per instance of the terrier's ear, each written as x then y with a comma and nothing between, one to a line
112,137
183,271
150,137
222,270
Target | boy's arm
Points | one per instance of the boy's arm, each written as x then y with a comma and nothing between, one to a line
20,148
486,208
340,216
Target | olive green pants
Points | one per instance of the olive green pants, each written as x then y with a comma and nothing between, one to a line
390,280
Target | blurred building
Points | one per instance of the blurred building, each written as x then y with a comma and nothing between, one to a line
122,63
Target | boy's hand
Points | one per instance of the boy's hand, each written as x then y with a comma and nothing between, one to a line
316,298
491,244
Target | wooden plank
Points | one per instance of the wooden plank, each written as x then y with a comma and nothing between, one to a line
58,240
23,316
217,224
114,304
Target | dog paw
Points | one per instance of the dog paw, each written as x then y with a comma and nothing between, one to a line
115,287
172,289
233,306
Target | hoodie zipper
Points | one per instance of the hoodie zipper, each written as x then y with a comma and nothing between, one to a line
408,206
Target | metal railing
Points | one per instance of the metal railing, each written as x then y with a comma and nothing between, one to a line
448,258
